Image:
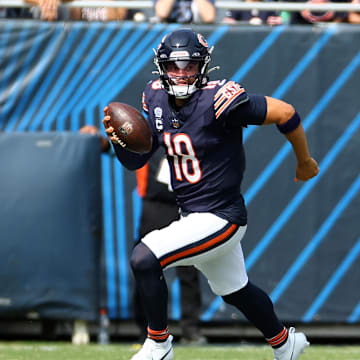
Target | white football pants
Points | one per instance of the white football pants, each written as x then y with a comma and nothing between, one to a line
206,241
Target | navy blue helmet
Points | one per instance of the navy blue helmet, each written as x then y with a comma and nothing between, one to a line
181,47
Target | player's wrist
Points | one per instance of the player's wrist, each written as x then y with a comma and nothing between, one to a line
304,162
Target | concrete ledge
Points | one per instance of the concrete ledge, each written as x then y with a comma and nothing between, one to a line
123,331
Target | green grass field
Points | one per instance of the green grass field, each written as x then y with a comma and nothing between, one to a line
65,351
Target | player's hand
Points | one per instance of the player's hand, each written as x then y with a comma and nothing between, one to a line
307,169
89,129
109,130
93,130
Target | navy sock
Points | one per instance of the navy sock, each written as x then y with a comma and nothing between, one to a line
258,308
152,287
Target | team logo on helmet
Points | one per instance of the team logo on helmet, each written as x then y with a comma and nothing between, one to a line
202,40
178,54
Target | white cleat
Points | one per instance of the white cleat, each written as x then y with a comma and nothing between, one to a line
80,333
294,346
152,350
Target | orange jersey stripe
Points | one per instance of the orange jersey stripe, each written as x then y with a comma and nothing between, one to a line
201,247
221,99
223,89
218,94
223,107
143,103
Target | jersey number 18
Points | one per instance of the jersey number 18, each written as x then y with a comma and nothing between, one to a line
186,164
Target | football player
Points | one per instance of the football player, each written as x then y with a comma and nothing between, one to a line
199,124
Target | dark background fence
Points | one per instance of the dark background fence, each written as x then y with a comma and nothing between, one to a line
303,239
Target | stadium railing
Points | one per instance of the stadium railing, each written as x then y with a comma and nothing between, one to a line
219,4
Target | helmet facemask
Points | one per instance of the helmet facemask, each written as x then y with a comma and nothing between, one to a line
183,84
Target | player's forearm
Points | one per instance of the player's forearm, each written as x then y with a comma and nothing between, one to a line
163,8
207,11
299,143
130,160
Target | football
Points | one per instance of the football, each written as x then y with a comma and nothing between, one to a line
131,130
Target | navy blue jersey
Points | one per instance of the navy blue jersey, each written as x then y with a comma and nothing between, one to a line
203,142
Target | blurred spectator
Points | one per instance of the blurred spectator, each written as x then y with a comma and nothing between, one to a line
253,17
315,17
50,10
185,11
98,14
354,17
16,13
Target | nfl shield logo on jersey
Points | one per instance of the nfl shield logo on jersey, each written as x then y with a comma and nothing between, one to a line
175,123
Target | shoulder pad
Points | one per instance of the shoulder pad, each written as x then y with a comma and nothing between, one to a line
229,94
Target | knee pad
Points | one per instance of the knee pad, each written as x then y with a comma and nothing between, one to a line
143,260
